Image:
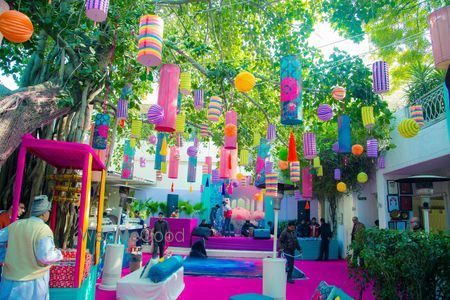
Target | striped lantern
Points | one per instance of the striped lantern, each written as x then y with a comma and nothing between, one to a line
291,90
198,99
337,174
101,127
128,160
224,168
439,22
122,109
256,139
381,162
167,96
316,162
243,157
97,10
297,195
230,136
272,184
344,134
295,171
204,169
268,167
367,116
306,183
158,175
150,41
372,148
320,171
416,112
271,133
380,77
338,93
208,162
309,145
185,83
180,123
408,128
192,169
136,128
174,162
179,139
324,112
215,176
214,109
204,130
155,114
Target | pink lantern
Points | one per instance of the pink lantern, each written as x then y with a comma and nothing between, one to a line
309,145
97,10
168,96
208,162
230,129
174,160
233,163
225,157
439,22
306,183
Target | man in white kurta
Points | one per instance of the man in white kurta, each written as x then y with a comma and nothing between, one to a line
30,251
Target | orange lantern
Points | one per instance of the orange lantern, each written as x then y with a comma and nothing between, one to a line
15,26
283,165
256,196
357,149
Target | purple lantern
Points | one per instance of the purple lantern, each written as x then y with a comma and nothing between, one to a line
372,148
155,114
380,76
324,112
97,10
335,147
380,162
198,99
337,174
271,133
269,167
215,176
122,109
309,145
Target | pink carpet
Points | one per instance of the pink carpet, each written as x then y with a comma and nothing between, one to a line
206,288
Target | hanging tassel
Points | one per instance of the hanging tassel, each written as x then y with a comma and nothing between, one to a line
171,188
230,189
207,182
190,188
292,150
230,166
163,151
307,205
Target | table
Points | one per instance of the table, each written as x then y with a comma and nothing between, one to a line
179,231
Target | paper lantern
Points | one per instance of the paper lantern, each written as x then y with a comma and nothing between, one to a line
357,149
337,174
192,169
214,109
122,109
158,156
152,139
215,176
244,82
185,83
362,177
271,132
167,96
291,90
367,116
292,150
256,139
198,99
204,169
158,175
243,157
268,167
180,123
341,187
283,165
372,148
262,153
204,130
97,10
416,113
316,162
155,114
128,160
309,145
272,184
174,161
294,171
339,93
344,134
320,171
136,128
297,195
230,130
439,22
224,170
133,143
163,165
101,127
324,112
380,77
381,162
208,162
335,147
408,128
150,40
15,26
306,183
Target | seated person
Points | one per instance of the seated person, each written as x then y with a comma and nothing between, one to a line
303,229
204,224
198,249
175,214
245,230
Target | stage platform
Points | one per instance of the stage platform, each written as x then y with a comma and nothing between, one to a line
236,243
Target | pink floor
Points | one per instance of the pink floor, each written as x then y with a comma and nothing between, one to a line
206,288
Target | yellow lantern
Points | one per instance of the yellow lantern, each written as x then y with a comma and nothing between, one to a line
408,128
362,177
243,157
163,167
320,171
132,143
367,116
180,123
341,187
136,128
316,162
185,83
256,139
244,82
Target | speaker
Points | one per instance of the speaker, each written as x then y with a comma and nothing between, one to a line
261,234
302,213
172,203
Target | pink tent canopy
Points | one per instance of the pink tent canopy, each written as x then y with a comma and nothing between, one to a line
240,214
258,215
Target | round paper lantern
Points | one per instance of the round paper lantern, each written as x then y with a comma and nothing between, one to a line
337,174
272,184
324,112
256,196
380,77
198,99
367,116
168,96
204,130
344,134
295,171
155,114
309,145
243,157
180,123
185,83
214,109
283,154
291,90
97,10
150,40
339,93
439,22
408,128
283,165
192,151
152,139
372,148
15,26
341,187
230,139
244,82
416,113
271,133
122,109
357,149
362,177
136,128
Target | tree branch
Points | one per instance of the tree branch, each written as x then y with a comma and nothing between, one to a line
195,63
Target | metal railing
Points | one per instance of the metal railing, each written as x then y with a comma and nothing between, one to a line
433,105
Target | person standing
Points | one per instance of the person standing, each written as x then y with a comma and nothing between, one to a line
288,243
357,228
29,255
5,217
227,213
160,229
314,228
325,235
213,215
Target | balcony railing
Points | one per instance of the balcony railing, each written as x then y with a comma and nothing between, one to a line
433,105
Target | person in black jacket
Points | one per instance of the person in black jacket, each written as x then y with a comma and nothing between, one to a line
325,234
303,229
198,249
160,229
288,243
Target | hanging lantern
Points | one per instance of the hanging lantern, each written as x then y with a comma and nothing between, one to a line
233,162
309,145
372,148
291,90
320,171
283,165
223,167
204,130
295,171
128,160
243,157
180,123
185,83
256,139
367,116
174,160
215,176
190,188
271,133
158,156
272,184
439,22
316,162
204,169
381,162
192,163
339,93
244,82
230,130
306,183
198,99
155,114
268,167
158,175
297,195
337,174
150,40
408,128
101,128
362,177
142,162
416,113
97,10
380,77
344,134
341,187
214,109
122,109
208,162
325,112
152,139
15,26
262,153
167,96
335,147
292,150
357,149
136,128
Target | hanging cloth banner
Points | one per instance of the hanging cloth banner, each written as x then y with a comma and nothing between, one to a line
344,134
291,90
306,183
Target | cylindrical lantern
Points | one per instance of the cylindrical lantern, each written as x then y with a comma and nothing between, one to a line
341,187
128,160
101,128
214,109
180,123
316,162
243,157
163,165
357,149
320,171
309,145
136,128
337,174
122,109
295,171
233,163
256,139
185,83
167,96
272,184
204,130
158,175
380,77
244,82
381,162
224,160
215,176
324,112
158,156
192,169
208,162
306,183
367,116
174,161
362,177
297,195
416,112
271,133
344,134
439,22
408,128
230,135
291,90
339,93
198,99
15,26
150,40
268,167
372,148
97,10
204,169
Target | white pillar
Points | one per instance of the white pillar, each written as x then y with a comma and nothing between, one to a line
112,266
274,278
